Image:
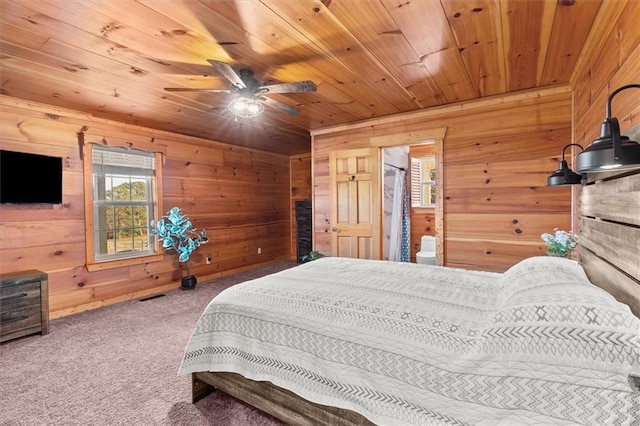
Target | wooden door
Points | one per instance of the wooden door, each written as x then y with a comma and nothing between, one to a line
355,203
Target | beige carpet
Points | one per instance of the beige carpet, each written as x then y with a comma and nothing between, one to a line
118,365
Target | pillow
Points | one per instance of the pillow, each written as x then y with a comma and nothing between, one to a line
543,275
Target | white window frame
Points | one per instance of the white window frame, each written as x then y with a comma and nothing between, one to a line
418,181
123,162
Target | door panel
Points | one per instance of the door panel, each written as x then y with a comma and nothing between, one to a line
343,207
355,203
364,202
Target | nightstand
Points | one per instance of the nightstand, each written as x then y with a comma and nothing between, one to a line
24,304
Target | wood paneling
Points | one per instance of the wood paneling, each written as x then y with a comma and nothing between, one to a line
489,255
613,242
242,198
496,154
619,202
609,205
624,288
369,59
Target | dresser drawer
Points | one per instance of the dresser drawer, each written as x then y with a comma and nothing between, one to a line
19,295
22,317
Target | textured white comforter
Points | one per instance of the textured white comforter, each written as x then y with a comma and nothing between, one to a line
415,344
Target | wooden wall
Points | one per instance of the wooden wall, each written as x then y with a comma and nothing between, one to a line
497,155
242,197
609,207
422,219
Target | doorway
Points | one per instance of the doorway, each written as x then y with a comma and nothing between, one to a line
355,195
409,199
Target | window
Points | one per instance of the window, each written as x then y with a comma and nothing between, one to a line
121,193
423,182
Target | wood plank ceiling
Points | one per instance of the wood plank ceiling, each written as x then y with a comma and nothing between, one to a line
368,58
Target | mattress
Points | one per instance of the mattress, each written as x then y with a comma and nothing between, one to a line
406,344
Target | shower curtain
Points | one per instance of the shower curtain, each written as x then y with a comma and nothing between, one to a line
399,234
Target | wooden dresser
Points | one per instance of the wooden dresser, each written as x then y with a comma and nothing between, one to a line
24,304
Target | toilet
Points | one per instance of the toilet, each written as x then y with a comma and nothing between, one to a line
427,253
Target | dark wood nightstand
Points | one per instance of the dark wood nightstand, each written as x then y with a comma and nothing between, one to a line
24,304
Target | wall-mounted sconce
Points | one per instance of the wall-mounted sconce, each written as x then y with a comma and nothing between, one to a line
610,150
564,175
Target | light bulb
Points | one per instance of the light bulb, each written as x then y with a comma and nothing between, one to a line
246,107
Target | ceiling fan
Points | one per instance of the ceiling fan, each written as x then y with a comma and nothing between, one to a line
250,94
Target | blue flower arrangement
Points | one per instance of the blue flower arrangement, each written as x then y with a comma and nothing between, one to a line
561,244
177,233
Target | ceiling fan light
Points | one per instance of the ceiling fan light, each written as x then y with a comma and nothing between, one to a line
253,108
246,107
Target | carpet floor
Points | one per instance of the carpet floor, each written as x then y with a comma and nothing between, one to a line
118,365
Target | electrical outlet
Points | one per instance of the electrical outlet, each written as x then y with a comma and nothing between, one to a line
208,259
259,250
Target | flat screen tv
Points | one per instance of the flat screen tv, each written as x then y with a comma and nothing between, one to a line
30,178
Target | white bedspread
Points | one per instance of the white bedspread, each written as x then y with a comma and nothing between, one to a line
415,344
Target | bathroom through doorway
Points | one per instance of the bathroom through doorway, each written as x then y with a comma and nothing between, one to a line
409,201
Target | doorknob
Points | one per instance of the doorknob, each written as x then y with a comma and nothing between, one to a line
352,179
334,229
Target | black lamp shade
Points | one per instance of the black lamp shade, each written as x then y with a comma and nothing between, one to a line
599,156
610,151
564,176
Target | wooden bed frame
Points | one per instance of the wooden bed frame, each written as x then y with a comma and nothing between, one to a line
280,403
609,253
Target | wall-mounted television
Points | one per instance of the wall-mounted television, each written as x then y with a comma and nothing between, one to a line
30,178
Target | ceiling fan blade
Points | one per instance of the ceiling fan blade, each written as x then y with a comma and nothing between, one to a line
286,108
295,87
228,72
188,89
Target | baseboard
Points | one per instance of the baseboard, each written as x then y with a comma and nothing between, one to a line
156,290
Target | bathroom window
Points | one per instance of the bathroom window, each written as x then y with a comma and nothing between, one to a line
423,182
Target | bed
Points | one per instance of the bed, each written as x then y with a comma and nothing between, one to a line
348,341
